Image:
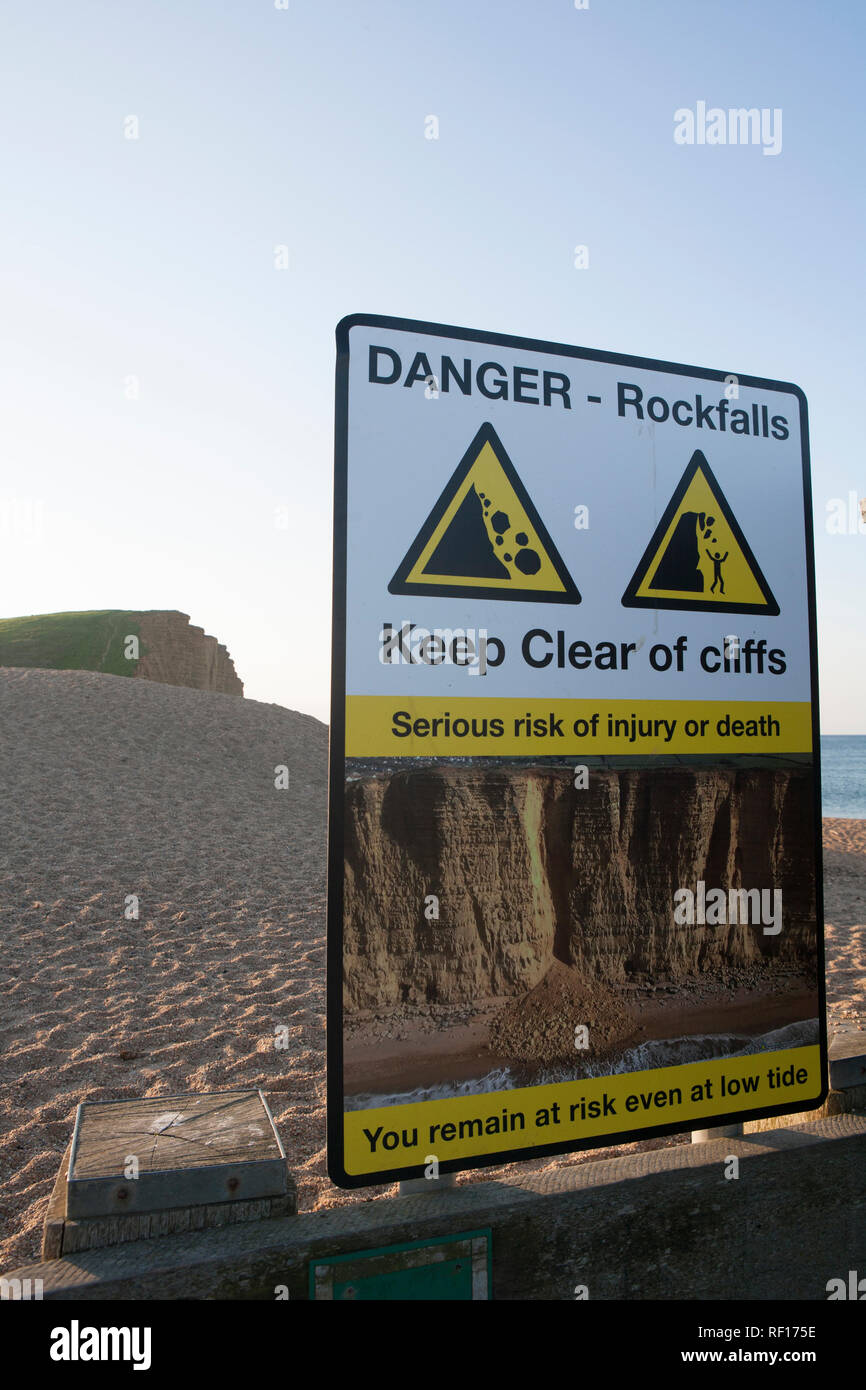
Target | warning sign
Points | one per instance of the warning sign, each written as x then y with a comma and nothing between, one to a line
485,534
698,557
574,850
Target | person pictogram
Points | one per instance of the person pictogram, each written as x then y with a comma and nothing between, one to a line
718,560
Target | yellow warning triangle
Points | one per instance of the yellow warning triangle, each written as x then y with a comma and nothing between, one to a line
698,557
484,536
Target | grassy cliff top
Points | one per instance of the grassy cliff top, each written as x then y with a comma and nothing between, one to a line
71,641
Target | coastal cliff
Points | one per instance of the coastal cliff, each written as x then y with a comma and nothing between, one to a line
170,650
175,652
529,870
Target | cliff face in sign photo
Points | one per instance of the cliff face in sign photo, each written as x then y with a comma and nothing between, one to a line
529,869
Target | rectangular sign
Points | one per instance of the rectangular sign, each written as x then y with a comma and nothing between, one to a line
574,880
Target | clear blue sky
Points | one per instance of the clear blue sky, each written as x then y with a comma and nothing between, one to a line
154,258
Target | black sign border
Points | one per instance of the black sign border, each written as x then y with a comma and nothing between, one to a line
337,753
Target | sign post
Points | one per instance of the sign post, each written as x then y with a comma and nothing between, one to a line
574,841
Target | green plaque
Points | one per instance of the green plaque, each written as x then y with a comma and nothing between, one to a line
445,1268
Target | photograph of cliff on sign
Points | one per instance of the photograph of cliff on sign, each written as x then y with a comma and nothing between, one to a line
494,910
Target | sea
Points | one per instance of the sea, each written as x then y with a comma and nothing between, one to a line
843,776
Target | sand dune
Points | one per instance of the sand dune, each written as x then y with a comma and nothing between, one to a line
113,787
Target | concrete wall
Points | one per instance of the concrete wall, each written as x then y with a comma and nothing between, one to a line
661,1225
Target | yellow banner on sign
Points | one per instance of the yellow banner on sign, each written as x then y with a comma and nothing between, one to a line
381,726
501,1122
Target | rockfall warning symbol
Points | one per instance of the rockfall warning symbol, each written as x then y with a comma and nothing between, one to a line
484,535
698,557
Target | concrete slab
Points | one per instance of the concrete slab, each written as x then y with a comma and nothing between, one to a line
847,1056
173,1151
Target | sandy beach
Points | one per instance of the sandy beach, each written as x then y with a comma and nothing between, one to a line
117,790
